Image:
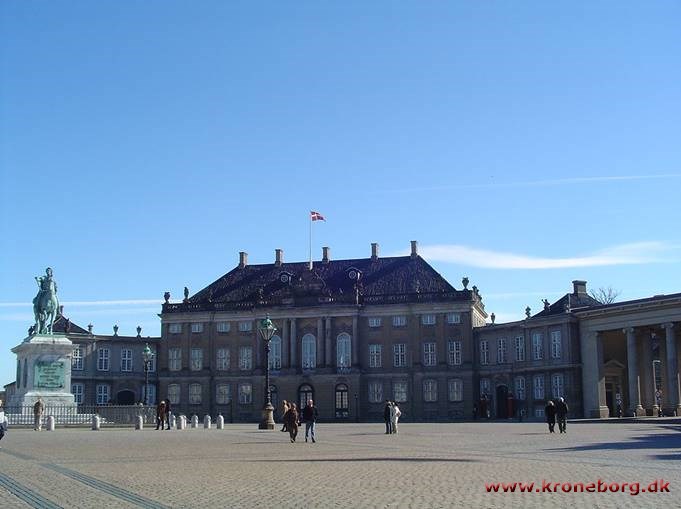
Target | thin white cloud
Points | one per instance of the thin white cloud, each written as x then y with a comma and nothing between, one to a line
132,302
625,254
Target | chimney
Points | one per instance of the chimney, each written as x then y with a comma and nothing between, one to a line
278,257
325,254
579,287
414,248
243,259
374,251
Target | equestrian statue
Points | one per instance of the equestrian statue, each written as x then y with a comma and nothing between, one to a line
45,304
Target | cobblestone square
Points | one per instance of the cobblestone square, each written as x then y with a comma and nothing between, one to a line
351,465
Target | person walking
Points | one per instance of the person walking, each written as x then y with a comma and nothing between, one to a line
160,415
310,418
284,408
395,414
561,414
3,421
550,412
291,422
38,410
386,417
167,414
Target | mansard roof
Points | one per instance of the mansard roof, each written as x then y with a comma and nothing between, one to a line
568,303
386,280
59,326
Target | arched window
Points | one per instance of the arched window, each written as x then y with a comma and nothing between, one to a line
342,402
305,393
309,351
343,359
275,353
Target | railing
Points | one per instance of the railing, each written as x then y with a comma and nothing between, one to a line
111,415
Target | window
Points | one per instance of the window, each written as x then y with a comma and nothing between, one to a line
501,350
400,391
275,352
454,353
126,359
197,359
399,321
453,317
222,363
245,358
484,387
103,359
539,412
537,346
175,328
557,385
484,352
245,326
429,354
174,359
455,389
520,348
556,345
76,359
305,393
375,392
375,321
342,401
428,319
430,390
151,394
194,394
77,391
343,350
152,361
103,397
400,355
309,351
538,384
375,352
174,394
520,387
223,394
223,327
197,327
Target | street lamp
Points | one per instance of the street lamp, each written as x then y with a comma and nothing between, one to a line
267,330
147,356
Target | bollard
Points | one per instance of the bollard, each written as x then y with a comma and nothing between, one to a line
173,422
195,421
139,423
181,422
206,422
50,423
96,422
220,423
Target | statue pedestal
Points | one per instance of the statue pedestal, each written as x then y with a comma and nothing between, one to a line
44,371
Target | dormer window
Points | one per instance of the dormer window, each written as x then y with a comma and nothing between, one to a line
354,274
285,277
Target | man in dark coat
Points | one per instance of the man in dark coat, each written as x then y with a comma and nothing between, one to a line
561,414
386,418
310,418
550,412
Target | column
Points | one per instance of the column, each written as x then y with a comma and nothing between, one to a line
320,342
285,362
327,340
293,343
593,378
672,398
635,407
647,385
355,342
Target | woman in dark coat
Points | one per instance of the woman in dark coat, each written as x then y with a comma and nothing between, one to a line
550,411
291,421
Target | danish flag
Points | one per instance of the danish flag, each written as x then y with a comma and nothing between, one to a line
316,216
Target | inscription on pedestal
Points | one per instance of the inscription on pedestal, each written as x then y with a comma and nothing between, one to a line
49,375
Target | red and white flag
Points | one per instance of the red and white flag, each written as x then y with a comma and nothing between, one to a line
316,216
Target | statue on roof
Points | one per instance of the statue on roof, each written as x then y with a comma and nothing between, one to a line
46,303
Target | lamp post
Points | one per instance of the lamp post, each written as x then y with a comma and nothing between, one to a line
147,356
267,330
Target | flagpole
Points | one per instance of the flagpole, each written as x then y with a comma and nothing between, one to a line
310,242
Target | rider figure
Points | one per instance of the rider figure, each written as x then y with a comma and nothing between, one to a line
47,286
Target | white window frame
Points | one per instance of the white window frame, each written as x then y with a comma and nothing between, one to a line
556,344
152,361
245,393
557,385
453,318
174,394
399,321
501,350
400,355
245,358
428,319
103,359
430,353
309,350
454,352
455,389
375,391
375,355
103,394
537,346
223,327
343,350
400,391
538,386
430,390
77,358
195,394
275,352
519,383
174,359
485,387
484,352
196,359
245,326
197,327
175,328
223,394
520,348
78,391
374,321
222,359
126,359
151,394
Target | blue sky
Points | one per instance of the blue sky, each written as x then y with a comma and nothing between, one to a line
523,144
